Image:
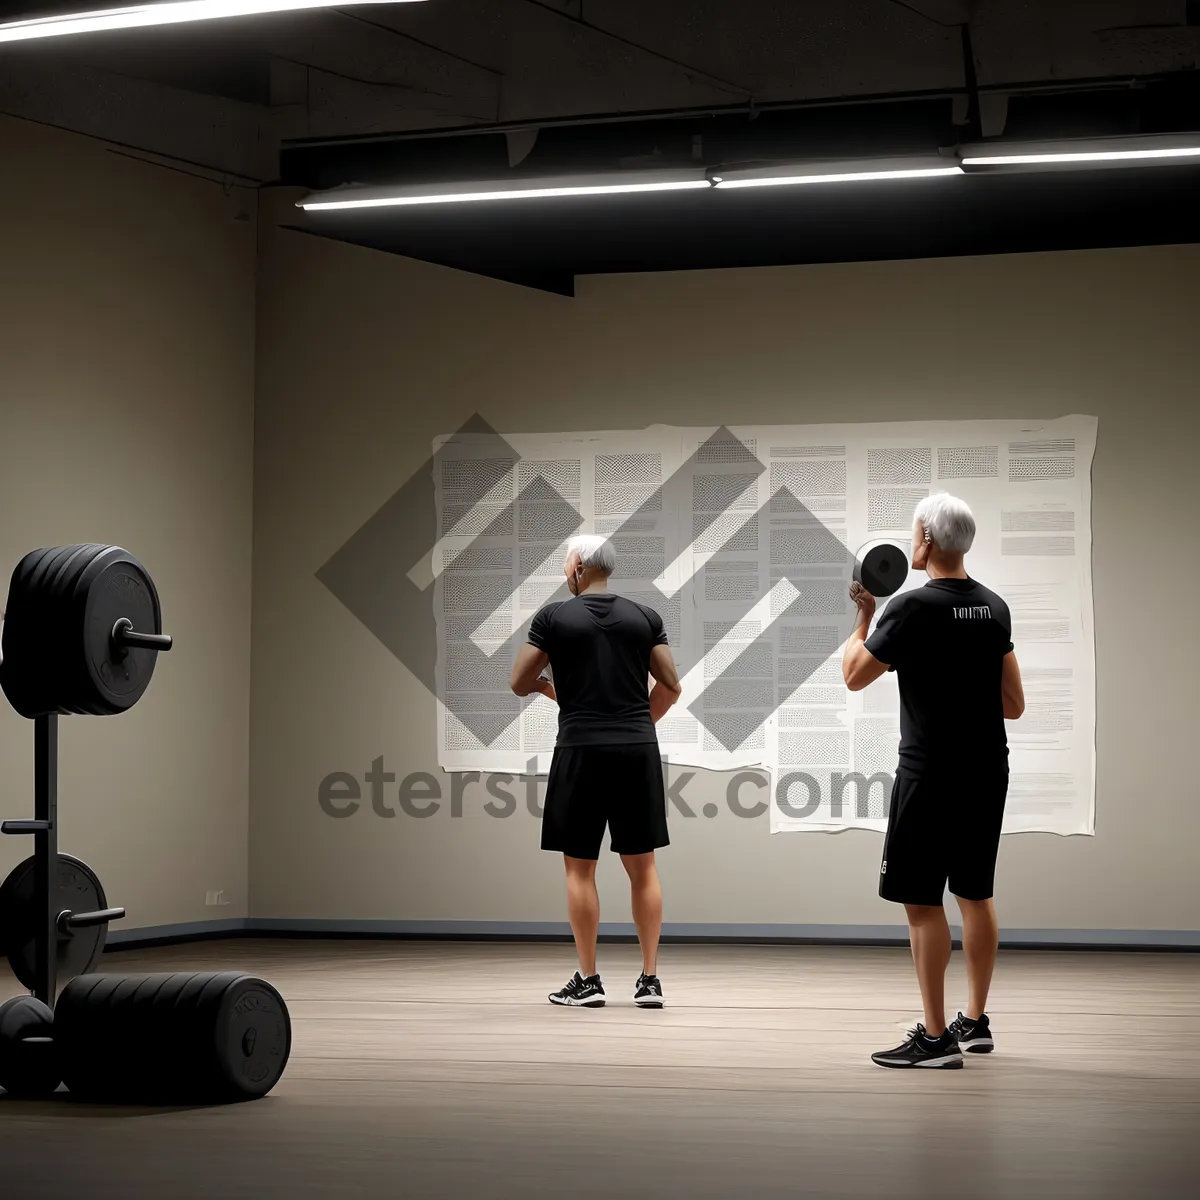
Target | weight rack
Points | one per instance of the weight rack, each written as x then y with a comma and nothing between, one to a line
52,922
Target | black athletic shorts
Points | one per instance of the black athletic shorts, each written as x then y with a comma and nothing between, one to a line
942,831
620,786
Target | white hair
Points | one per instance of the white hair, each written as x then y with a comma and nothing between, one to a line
948,520
594,551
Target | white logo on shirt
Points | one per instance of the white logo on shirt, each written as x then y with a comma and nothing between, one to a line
978,612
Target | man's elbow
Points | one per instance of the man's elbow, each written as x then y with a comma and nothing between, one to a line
1013,709
854,680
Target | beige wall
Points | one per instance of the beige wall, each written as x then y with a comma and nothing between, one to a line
126,392
129,412
364,357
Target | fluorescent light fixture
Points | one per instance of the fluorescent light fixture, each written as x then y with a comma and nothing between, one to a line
1086,151
143,15
613,183
862,171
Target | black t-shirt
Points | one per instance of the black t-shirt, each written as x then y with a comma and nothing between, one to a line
946,642
599,646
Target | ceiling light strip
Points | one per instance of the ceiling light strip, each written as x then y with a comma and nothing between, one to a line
142,16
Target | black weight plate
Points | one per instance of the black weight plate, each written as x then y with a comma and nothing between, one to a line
210,1076
77,691
95,644
254,1037
74,690
182,1035
120,589
92,1064
26,683
79,1025
130,1056
28,1054
881,568
162,1028
188,1038
78,890
42,670
144,1015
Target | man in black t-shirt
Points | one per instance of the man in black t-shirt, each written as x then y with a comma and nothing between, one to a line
950,644
602,650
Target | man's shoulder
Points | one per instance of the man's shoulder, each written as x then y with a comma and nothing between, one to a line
636,611
905,602
644,609
991,598
547,611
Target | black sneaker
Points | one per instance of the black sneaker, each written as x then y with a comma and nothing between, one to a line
580,992
920,1050
647,992
974,1036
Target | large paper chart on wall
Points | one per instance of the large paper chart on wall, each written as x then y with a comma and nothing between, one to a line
743,539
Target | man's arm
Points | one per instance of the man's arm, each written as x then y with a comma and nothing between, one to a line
526,676
859,666
667,688
1011,688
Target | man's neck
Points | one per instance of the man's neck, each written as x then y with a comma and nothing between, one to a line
938,568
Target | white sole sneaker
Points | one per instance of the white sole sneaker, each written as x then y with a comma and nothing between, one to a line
947,1062
594,1002
983,1045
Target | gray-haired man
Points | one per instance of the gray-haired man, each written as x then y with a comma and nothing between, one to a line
602,649
950,644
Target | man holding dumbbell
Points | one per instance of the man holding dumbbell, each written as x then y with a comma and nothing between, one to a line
950,644
603,649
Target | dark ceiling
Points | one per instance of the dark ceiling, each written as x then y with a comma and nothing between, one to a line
450,89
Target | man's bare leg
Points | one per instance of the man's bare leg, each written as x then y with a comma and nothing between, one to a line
583,909
645,894
929,935
980,941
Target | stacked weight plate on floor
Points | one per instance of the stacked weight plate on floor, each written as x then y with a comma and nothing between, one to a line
171,1038
59,652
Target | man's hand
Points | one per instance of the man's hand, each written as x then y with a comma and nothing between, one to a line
546,688
864,601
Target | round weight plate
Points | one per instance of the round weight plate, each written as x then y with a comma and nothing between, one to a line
881,567
28,1058
79,890
120,588
254,1037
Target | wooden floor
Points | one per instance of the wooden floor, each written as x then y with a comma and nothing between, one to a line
438,1070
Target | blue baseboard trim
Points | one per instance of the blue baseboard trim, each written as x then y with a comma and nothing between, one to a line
189,931
677,931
